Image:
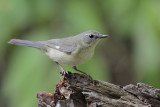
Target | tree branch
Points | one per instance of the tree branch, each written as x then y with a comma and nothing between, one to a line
76,90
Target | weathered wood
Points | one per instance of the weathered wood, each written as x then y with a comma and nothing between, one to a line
76,90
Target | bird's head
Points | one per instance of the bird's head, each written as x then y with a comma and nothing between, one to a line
91,38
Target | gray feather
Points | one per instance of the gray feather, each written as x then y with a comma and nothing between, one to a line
66,45
27,43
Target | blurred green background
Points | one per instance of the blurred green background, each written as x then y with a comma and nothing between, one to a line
131,54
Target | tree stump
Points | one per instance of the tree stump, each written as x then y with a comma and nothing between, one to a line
76,90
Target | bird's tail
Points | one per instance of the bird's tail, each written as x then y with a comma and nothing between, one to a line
25,43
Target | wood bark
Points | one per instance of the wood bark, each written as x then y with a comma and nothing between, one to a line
76,90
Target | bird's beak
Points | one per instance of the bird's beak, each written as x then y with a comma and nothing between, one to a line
104,36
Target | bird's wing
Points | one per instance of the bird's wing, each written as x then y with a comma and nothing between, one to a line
64,45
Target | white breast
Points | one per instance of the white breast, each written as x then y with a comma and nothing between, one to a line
76,58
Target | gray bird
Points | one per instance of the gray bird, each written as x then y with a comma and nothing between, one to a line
72,51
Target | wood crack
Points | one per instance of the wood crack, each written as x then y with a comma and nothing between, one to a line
75,90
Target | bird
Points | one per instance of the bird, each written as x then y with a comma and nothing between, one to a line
72,51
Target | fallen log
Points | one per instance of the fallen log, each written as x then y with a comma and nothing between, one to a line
76,90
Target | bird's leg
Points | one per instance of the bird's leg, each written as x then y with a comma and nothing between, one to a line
75,68
62,69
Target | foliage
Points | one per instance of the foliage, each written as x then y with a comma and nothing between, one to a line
25,70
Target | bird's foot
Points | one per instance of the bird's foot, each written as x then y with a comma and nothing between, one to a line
62,73
89,77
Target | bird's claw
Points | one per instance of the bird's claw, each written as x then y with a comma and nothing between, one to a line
62,73
89,77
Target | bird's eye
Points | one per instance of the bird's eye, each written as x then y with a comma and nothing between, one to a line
91,36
